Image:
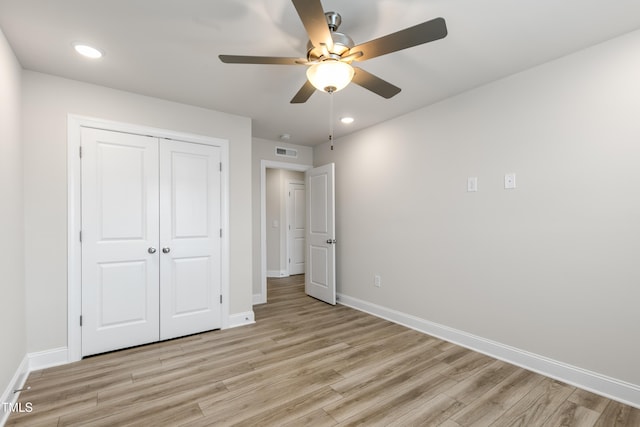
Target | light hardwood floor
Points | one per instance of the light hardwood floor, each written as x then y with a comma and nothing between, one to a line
305,363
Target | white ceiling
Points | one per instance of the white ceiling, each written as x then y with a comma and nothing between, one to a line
169,49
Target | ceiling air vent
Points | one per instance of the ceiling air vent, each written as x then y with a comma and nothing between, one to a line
286,152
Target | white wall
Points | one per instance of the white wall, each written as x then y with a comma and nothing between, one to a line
552,267
264,149
12,284
47,100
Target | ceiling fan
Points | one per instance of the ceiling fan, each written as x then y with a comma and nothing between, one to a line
331,53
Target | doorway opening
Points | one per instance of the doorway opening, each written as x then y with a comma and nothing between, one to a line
279,243
285,210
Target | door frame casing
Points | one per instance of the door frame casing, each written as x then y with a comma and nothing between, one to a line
264,165
74,209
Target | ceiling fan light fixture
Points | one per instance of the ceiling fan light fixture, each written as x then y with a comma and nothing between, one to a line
330,75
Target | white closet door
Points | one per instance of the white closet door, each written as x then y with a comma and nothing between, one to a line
189,238
120,255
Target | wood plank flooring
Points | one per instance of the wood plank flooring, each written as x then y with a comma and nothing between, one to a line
305,363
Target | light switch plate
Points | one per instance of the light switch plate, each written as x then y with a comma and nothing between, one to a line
510,180
472,184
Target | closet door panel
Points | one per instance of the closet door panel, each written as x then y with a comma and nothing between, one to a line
190,275
120,295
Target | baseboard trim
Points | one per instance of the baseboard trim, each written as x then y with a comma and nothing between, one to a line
594,382
48,358
17,382
241,319
277,273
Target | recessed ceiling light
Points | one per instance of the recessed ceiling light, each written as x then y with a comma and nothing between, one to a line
87,51
347,120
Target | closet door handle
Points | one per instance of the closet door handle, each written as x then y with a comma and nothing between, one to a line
166,250
151,250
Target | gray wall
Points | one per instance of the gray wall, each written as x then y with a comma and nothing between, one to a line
12,284
551,267
47,100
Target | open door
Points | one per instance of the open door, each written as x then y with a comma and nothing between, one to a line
320,272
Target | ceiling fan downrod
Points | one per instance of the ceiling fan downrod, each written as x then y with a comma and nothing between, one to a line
333,20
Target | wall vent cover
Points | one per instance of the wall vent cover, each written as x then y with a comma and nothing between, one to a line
286,152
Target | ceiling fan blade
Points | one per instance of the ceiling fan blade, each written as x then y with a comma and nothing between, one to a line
312,17
351,56
240,59
413,36
374,83
304,93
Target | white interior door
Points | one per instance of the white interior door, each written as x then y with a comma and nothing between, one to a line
296,230
120,296
320,279
190,275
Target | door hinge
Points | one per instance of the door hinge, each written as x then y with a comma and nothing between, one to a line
81,320
80,151
221,232
80,236
220,298
220,166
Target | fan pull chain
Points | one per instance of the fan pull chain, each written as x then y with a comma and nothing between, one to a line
331,119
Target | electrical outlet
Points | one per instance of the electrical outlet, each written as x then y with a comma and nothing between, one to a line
510,181
377,281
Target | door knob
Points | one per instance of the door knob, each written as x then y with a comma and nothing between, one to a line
151,250
166,250
331,241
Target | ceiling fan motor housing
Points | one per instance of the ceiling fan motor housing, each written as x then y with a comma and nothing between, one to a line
342,43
